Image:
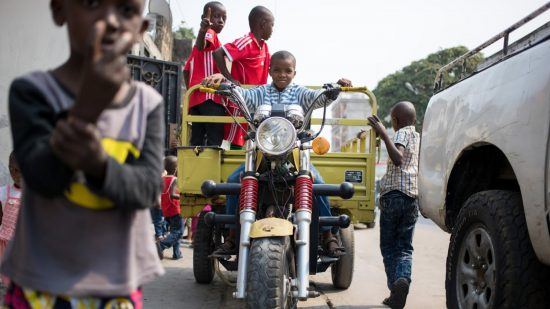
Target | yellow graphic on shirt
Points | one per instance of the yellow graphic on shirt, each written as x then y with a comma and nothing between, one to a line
119,303
81,195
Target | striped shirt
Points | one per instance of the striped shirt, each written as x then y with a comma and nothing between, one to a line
404,177
292,94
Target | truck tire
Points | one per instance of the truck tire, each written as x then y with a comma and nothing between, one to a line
203,246
269,273
490,262
342,271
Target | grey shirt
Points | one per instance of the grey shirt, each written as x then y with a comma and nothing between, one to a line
75,237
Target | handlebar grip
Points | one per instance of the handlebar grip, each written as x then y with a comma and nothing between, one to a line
353,89
207,89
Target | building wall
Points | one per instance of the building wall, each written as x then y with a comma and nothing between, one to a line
29,41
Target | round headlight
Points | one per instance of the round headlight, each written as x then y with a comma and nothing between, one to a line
276,136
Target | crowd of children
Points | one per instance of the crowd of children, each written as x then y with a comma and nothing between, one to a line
87,141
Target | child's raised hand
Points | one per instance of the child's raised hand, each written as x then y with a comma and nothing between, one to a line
105,70
344,82
78,145
205,23
377,125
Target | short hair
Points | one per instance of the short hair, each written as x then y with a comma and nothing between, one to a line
210,5
171,164
256,15
282,55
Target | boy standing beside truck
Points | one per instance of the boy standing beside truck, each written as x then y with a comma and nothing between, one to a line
398,201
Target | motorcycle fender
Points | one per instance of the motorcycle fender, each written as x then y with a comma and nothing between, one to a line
271,227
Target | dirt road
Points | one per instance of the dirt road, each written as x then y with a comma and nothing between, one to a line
177,289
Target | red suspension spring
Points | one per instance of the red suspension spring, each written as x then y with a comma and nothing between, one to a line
248,198
303,193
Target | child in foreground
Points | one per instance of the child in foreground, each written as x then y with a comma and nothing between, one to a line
89,144
10,200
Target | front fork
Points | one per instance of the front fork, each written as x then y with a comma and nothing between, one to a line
303,202
248,203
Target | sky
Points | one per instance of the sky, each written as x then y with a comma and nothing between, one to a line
366,40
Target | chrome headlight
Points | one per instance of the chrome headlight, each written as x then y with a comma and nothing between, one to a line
276,136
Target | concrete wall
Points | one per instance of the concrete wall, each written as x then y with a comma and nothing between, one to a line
28,41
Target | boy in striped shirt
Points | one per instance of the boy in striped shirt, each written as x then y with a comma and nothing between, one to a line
199,65
398,201
281,91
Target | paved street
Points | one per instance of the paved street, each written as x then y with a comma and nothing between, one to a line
177,289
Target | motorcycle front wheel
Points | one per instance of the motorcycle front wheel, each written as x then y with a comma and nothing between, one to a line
271,267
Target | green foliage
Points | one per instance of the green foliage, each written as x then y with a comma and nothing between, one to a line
415,82
184,32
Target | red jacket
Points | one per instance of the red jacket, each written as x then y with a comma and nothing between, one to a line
170,206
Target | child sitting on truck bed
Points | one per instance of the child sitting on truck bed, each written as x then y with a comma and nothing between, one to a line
281,91
398,201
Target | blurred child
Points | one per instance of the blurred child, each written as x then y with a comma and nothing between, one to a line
10,199
89,144
169,200
199,65
250,62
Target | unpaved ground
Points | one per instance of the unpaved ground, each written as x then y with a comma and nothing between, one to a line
177,289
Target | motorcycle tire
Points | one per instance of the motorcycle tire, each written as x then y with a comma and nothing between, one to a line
342,270
269,273
203,246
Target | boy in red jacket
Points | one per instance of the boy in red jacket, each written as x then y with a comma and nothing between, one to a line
199,65
169,201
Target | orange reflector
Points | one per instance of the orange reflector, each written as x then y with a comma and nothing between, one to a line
320,145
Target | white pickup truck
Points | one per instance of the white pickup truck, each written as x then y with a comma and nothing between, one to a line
484,173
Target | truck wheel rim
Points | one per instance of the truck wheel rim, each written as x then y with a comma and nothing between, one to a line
475,277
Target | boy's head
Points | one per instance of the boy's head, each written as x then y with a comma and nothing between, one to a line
218,15
15,173
85,17
171,165
282,69
403,114
261,22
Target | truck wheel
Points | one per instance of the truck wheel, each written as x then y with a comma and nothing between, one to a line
491,263
203,246
342,271
270,270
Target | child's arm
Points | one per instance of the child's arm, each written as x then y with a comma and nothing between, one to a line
186,78
308,96
205,25
174,194
395,151
32,124
219,57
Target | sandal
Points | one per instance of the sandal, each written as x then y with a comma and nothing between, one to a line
227,248
332,247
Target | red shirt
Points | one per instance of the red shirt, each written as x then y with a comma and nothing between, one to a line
250,66
250,60
200,65
170,206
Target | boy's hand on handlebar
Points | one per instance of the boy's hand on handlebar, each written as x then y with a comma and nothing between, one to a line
213,80
344,82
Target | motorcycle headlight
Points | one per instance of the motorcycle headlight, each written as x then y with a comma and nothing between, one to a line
276,136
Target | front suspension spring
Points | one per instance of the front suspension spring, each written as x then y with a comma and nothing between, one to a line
303,193
248,197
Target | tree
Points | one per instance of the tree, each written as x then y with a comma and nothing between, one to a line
415,82
184,32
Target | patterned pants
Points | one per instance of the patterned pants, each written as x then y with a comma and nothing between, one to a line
21,298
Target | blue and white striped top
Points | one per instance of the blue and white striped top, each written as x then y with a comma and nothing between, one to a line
292,94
